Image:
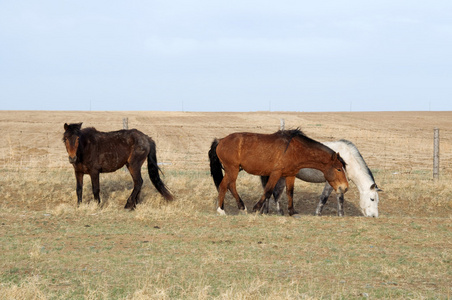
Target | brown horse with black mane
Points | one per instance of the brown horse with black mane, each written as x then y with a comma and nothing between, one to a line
281,154
93,152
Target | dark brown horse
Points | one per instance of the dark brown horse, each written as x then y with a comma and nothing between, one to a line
281,154
92,152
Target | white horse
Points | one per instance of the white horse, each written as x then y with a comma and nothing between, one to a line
357,171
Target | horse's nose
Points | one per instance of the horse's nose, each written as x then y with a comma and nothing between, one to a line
343,190
370,214
72,160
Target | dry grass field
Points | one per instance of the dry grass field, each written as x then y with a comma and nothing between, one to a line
49,249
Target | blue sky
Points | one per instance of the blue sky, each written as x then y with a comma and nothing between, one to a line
226,55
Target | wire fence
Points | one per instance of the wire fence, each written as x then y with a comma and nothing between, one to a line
185,146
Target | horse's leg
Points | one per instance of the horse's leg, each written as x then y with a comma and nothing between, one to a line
272,180
79,188
340,204
135,172
233,189
96,186
222,189
290,182
277,192
266,205
323,198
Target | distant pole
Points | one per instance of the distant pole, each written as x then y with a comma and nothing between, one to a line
282,124
125,125
435,154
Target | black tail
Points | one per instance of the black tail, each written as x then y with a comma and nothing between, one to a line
154,170
215,164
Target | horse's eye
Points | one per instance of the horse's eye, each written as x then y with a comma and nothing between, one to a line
372,199
339,170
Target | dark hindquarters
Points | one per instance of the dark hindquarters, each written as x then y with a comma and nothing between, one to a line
135,172
215,164
154,175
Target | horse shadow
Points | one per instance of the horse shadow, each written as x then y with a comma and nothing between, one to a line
305,204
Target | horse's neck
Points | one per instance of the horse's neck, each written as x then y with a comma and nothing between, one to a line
355,170
317,158
86,142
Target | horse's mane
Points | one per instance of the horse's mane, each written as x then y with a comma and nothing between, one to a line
293,133
357,155
89,131
298,134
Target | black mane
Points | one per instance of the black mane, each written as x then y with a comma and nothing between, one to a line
291,133
297,133
72,129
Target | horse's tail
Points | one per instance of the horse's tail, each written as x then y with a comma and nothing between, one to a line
154,170
215,164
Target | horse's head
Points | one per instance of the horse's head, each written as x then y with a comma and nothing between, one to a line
71,139
369,201
335,174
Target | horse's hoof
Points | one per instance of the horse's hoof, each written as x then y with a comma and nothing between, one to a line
243,212
129,206
221,212
292,212
256,208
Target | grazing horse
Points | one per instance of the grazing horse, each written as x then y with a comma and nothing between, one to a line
357,171
93,152
281,154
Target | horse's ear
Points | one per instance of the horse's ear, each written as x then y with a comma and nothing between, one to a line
66,126
79,125
334,156
375,187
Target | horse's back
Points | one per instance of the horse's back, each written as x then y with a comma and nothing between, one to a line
343,147
114,149
125,137
252,152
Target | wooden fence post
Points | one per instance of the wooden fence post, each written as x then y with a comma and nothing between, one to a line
282,124
435,154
